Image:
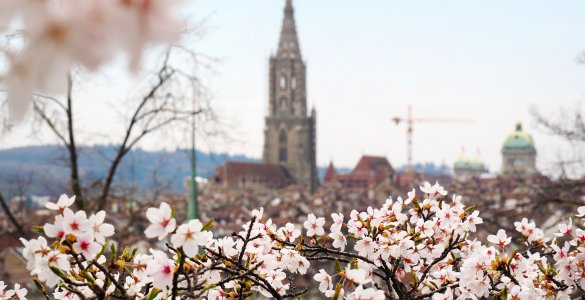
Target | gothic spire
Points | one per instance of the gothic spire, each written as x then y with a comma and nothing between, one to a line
288,45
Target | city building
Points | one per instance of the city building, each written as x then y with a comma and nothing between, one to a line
465,168
369,171
246,175
290,133
519,154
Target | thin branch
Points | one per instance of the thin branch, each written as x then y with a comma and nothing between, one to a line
12,219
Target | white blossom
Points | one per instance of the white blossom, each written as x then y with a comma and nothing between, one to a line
190,236
314,225
61,204
162,222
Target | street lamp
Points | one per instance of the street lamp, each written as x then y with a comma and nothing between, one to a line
192,208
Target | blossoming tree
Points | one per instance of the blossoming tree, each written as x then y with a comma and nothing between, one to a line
413,248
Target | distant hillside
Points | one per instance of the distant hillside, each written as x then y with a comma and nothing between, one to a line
46,167
43,169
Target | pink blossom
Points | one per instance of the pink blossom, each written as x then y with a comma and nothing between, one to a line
161,270
75,223
87,246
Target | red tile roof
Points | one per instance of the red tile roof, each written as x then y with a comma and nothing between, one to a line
369,170
370,163
329,174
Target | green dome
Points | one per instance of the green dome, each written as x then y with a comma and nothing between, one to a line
519,139
464,163
477,164
461,162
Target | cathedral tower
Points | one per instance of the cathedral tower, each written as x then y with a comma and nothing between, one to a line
289,135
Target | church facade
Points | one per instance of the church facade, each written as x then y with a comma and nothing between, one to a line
290,129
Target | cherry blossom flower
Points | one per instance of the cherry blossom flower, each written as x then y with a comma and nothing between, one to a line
366,247
66,31
34,251
20,292
433,190
189,236
314,225
411,195
524,227
75,223
217,294
425,227
447,295
339,240
331,293
500,239
161,270
149,21
324,280
87,246
100,229
580,235
565,229
258,213
337,222
358,276
472,220
291,232
367,294
61,204
162,222
561,254
55,230
5,294
227,246
52,259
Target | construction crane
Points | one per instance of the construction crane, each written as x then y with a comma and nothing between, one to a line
409,119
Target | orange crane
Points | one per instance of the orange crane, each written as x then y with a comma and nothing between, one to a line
409,119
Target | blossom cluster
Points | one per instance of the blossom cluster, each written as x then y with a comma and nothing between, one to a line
61,34
76,260
406,245
420,247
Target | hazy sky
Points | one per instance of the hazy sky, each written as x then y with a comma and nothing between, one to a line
489,61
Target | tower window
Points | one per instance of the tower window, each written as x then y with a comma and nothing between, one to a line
282,82
282,147
293,83
283,104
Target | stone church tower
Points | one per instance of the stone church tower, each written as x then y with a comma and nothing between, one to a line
289,135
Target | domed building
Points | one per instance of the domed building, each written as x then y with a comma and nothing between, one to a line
465,168
519,154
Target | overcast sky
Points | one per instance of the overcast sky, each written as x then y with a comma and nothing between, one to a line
489,61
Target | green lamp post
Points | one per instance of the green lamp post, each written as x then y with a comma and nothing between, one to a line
192,208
